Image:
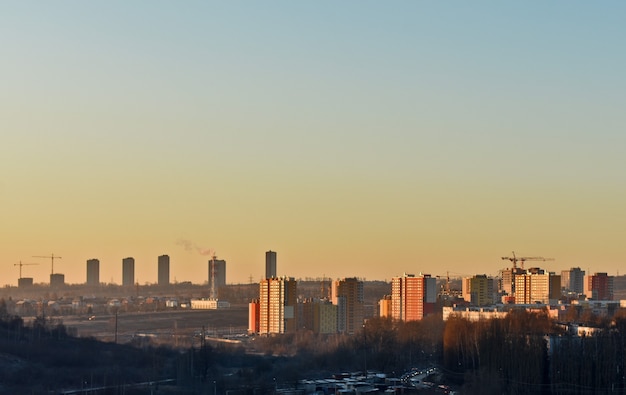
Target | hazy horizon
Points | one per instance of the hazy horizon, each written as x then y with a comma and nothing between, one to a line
360,139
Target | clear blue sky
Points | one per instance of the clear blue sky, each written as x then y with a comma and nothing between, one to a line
355,138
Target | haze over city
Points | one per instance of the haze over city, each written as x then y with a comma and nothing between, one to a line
360,139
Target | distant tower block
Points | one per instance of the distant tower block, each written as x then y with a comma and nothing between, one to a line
217,275
57,280
128,272
270,264
25,282
93,272
164,270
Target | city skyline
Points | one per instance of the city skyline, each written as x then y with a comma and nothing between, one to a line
355,139
127,269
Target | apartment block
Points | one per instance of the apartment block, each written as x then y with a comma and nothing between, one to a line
277,309
413,297
347,295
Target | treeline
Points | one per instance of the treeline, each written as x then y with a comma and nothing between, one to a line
528,353
43,356
523,353
383,345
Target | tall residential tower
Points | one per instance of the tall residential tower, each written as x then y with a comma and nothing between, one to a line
413,297
93,272
270,264
164,270
347,295
128,272
277,305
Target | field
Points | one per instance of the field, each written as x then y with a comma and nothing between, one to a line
172,326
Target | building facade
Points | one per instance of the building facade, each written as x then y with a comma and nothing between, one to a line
325,317
599,286
384,307
277,305
537,287
347,295
479,290
128,272
270,264
573,281
413,297
93,272
164,270
507,286
217,275
254,309
57,280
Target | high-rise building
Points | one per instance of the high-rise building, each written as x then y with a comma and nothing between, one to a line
57,280
277,305
573,280
384,307
254,310
478,290
413,297
24,282
270,264
128,272
537,286
324,317
164,270
93,272
217,275
508,280
347,295
317,315
599,286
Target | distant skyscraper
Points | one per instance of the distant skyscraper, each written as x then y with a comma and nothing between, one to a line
217,275
164,270
347,295
270,264
573,280
93,272
413,297
277,305
599,286
128,272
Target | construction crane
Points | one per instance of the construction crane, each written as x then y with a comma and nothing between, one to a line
522,259
23,264
52,258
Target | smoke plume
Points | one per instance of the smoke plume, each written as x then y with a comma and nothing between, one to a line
189,245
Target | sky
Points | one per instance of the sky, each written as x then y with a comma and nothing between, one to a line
355,138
